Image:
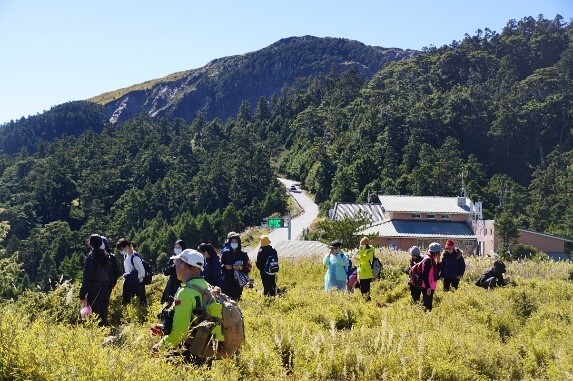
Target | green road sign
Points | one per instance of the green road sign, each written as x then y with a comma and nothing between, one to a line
275,222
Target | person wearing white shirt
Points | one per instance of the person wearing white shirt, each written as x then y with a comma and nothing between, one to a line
134,273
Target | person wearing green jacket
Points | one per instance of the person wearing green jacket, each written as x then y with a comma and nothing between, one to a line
178,319
365,274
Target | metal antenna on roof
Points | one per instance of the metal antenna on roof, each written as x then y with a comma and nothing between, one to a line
464,192
374,193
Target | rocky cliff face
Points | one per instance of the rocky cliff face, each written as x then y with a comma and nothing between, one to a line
218,88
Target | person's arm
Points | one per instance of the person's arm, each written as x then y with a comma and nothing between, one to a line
260,260
247,264
87,277
500,280
181,319
138,264
169,268
341,259
426,266
462,265
370,255
216,269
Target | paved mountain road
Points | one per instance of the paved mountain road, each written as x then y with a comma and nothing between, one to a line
300,222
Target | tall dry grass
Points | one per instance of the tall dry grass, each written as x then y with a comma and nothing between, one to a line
520,332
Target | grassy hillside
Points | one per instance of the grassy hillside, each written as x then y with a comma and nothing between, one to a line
518,332
110,96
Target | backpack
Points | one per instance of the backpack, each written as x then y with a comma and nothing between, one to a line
147,267
271,266
376,266
416,274
201,342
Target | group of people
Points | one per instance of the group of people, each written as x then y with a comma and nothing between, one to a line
340,270
448,265
424,270
189,271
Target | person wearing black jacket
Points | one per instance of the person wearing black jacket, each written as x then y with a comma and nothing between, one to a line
212,268
96,280
493,276
453,265
172,283
415,289
235,267
266,251
116,273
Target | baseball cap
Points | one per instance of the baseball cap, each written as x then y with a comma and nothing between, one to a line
449,244
191,257
434,247
415,250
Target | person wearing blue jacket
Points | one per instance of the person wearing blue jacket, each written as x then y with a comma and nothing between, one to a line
212,269
453,266
336,263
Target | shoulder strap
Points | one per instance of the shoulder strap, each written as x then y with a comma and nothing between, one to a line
206,295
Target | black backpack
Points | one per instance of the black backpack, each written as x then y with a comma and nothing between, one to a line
148,271
272,264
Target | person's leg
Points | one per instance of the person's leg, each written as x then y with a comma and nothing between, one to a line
365,288
127,292
447,282
272,285
490,283
416,293
141,294
232,290
428,298
104,306
267,281
455,283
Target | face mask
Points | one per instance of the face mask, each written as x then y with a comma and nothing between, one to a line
124,252
177,251
234,245
362,247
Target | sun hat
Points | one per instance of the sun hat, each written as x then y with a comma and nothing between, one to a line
265,240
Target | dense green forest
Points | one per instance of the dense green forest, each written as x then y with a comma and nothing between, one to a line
495,107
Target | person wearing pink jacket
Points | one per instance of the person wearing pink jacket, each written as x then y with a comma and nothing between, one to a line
430,274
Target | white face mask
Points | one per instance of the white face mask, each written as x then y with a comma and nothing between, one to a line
177,251
124,252
234,245
362,247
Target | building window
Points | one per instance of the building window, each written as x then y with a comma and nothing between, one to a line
446,217
430,216
416,216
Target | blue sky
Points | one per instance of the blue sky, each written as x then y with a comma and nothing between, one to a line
62,50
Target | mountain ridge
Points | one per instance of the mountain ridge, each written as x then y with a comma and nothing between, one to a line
248,76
